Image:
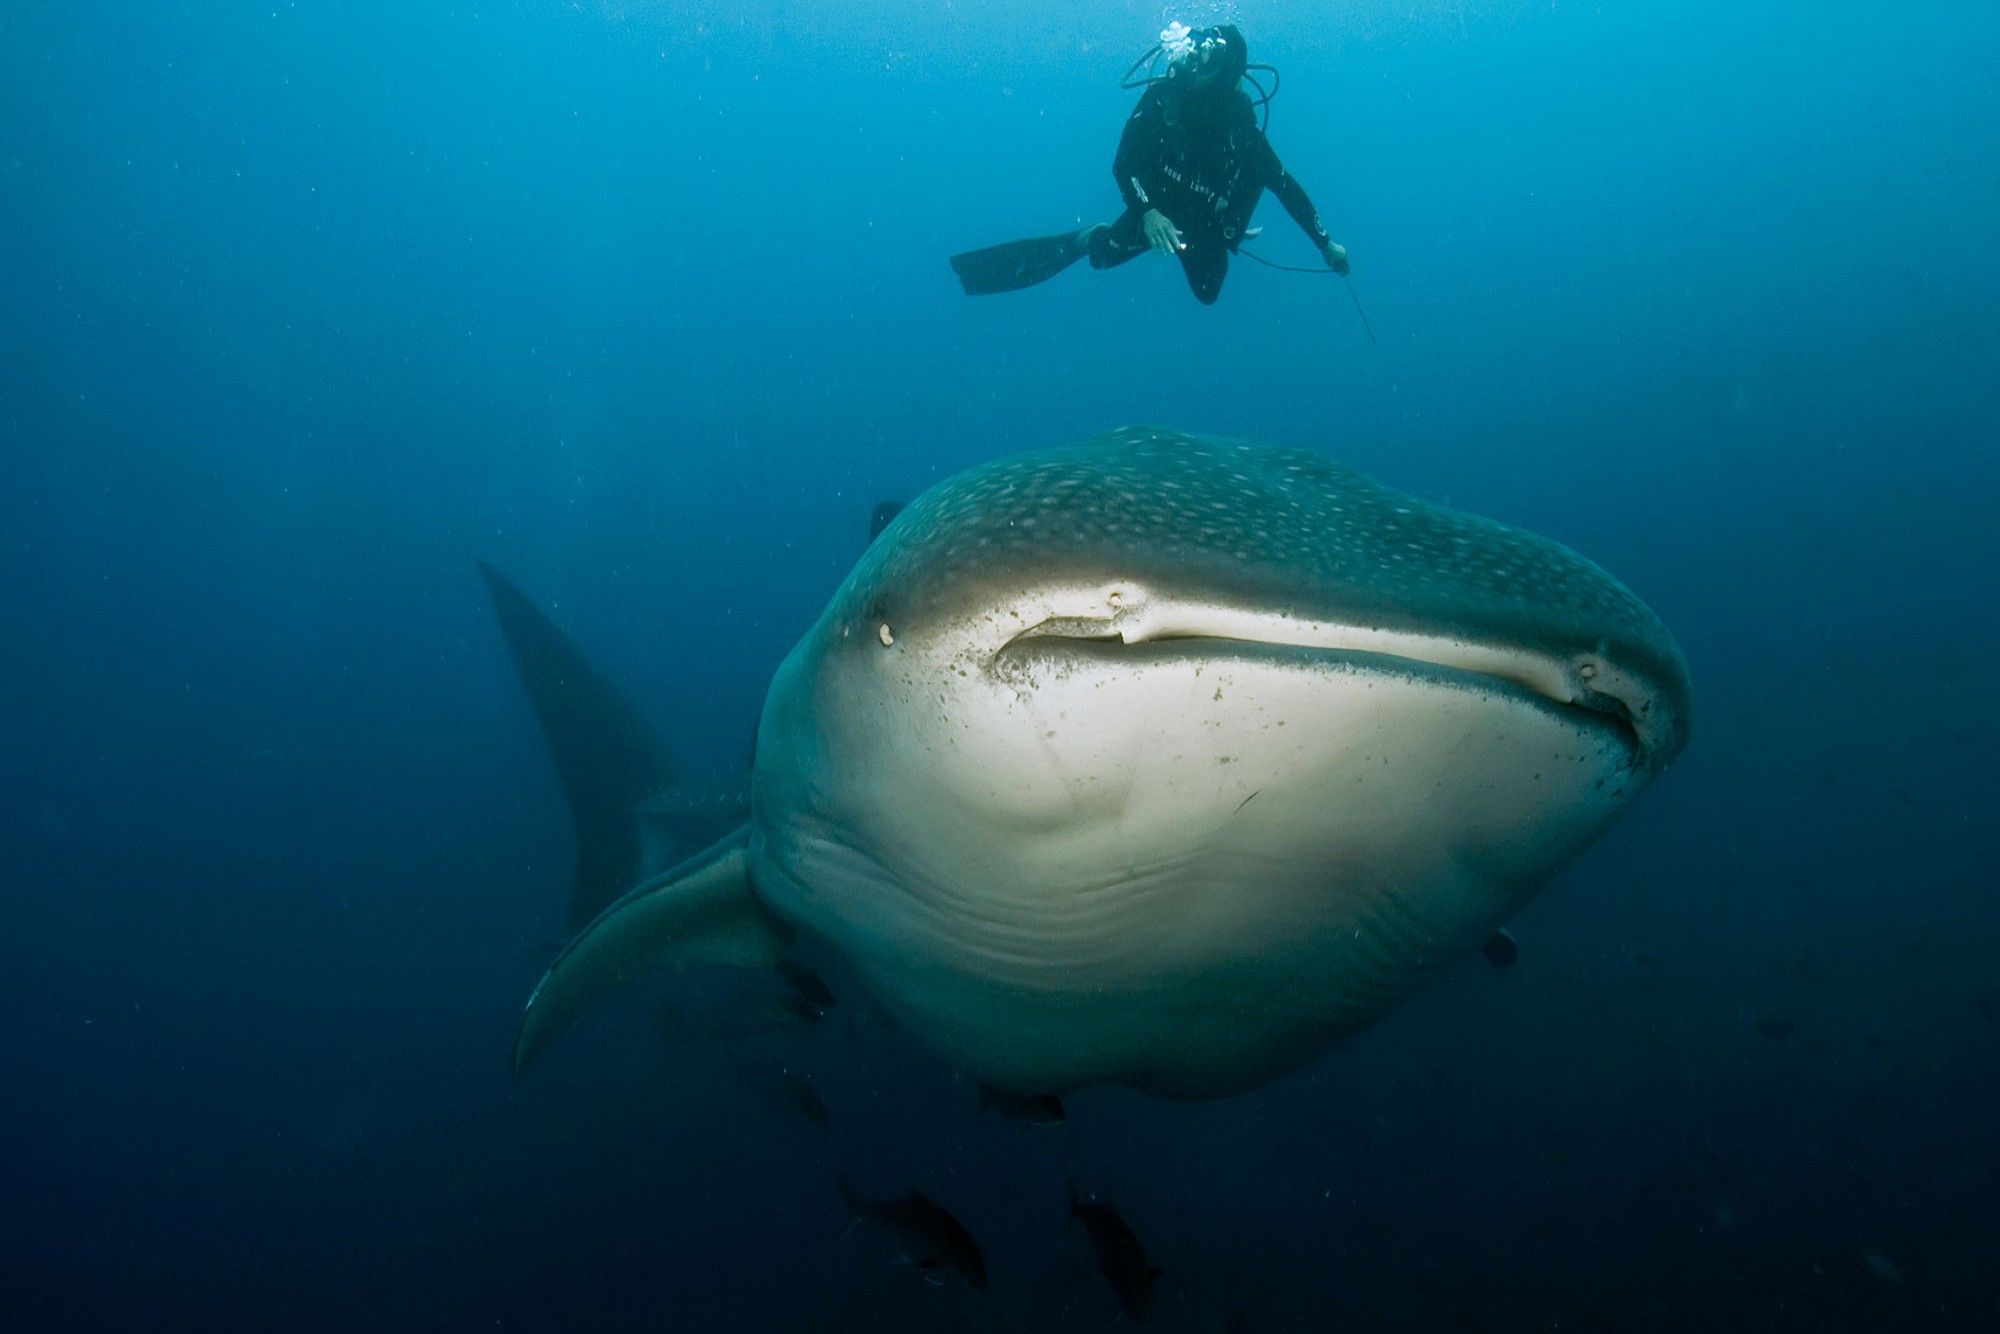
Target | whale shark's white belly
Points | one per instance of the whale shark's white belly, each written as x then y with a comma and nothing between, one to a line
1182,865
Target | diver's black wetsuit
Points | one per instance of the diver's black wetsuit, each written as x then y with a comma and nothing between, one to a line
1193,150
1201,160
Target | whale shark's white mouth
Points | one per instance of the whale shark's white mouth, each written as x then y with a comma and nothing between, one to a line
1588,689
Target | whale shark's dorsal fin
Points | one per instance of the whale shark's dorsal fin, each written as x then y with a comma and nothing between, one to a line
702,911
606,754
885,514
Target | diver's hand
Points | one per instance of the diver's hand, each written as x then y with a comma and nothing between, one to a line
1335,255
1162,235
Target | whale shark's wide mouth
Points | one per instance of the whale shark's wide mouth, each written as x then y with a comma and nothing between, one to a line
1586,691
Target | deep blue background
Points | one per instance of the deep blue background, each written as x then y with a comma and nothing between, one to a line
304,306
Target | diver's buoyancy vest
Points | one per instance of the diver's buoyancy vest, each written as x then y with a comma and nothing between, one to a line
1205,191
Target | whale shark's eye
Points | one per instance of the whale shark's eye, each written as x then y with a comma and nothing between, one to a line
885,634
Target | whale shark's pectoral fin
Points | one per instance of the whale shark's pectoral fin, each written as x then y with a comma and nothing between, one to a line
702,911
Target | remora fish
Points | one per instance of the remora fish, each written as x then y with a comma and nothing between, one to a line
808,987
1501,949
788,1091
1008,775
929,1234
1120,1257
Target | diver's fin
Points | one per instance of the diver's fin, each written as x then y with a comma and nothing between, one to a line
702,911
1018,264
604,752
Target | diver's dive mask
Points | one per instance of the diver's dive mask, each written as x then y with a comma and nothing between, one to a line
1199,56
1198,59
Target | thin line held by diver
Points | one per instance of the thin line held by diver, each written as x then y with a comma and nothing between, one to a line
1352,295
1366,325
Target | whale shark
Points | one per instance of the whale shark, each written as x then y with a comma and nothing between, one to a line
1161,760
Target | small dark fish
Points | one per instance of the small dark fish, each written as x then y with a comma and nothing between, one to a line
808,986
1984,1000
1120,1257
1501,949
1801,968
931,1238
1035,1109
1777,1029
1237,1320
804,1098
884,515
786,1092
1648,960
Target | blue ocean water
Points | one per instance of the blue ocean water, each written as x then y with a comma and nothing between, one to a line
306,307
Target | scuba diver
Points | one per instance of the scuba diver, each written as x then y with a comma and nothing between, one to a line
1192,163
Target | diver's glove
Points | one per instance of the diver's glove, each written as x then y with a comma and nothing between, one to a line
1162,235
1335,255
